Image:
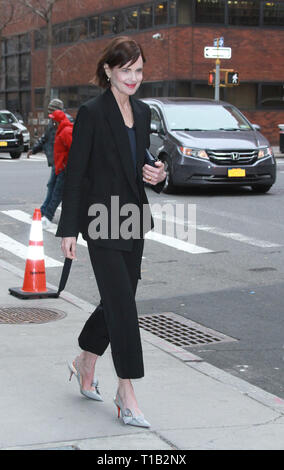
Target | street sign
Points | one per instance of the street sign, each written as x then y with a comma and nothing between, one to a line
217,52
218,42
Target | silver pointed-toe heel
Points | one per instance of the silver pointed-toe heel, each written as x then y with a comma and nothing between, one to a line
92,394
129,417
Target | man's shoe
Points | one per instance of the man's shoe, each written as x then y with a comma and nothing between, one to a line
46,223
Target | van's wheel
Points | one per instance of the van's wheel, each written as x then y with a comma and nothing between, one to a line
15,155
261,188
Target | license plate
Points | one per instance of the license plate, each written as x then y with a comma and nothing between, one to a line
236,172
3,144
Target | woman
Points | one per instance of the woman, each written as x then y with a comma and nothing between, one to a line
106,160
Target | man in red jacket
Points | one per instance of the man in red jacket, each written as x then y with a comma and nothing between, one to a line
62,144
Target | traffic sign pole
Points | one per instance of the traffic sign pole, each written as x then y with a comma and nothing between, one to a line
217,82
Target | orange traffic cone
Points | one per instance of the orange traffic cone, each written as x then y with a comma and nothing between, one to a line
34,285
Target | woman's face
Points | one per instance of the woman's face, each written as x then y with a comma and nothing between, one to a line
126,79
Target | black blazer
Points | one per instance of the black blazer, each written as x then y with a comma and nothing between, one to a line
100,166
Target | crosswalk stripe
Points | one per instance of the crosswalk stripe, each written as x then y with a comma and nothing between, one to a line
176,243
24,159
223,233
20,250
165,240
238,237
27,219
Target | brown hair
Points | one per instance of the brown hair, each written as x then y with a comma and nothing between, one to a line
119,51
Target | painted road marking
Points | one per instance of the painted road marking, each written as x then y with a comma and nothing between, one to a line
20,250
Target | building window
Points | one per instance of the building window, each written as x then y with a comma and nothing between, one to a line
146,17
210,11
131,19
85,93
144,91
60,34
25,70
107,24
184,13
182,88
25,103
273,14
172,11
243,13
25,42
3,74
12,67
72,97
94,26
77,31
272,96
40,38
2,101
39,96
13,101
12,45
203,91
118,23
243,96
16,73
161,13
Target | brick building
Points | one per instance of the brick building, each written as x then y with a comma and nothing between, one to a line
175,66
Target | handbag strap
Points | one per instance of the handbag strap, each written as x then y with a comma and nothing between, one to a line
64,275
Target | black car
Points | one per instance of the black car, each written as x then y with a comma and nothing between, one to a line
205,142
11,137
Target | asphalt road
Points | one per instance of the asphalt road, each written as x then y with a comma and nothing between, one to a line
233,285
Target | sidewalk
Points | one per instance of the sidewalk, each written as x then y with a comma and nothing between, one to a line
190,404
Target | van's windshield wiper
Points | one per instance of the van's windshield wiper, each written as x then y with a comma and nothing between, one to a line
187,129
227,129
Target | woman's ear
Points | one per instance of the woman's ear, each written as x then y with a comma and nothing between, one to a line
107,70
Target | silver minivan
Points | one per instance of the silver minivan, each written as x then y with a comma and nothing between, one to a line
207,142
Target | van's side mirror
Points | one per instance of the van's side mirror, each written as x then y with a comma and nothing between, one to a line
256,127
154,128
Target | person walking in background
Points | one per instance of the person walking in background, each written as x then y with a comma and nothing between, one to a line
46,144
107,159
62,143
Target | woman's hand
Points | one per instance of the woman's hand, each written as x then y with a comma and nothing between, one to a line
154,175
68,246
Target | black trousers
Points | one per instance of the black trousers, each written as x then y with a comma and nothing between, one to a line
115,319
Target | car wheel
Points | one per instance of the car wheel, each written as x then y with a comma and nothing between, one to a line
168,186
261,188
15,155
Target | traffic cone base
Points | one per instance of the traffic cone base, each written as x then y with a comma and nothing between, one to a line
20,294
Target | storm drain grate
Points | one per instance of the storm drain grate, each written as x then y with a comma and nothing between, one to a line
180,331
26,315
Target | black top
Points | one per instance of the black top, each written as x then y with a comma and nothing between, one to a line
132,141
